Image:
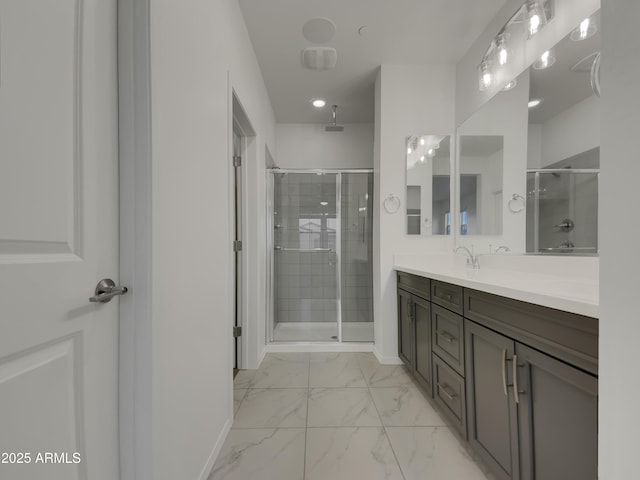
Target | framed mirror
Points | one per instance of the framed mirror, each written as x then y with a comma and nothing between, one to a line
428,205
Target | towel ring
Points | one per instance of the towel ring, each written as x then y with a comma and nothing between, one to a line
517,203
391,204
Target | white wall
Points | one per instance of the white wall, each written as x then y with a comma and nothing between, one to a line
572,131
619,327
310,146
505,115
200,50
410,100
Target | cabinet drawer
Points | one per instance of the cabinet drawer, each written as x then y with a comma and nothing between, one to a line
448,337
447,295
414,284
567,336
449,394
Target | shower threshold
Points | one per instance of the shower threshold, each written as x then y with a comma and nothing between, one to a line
322,332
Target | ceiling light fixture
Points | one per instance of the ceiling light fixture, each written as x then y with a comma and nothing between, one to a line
510,86
324,204
318,102
534,103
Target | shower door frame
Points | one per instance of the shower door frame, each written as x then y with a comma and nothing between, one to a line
270,201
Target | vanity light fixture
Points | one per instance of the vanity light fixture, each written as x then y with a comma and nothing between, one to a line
534,103
545,61
318,102
534,15
501,47
586,29
486,79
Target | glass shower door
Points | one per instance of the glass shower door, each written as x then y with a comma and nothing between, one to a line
305,237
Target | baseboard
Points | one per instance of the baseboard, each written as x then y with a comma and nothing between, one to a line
387,360
319,347
206,471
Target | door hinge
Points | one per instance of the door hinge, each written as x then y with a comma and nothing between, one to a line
237,245
237,161
237,331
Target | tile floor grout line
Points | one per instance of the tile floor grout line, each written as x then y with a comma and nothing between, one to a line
306,423
384,429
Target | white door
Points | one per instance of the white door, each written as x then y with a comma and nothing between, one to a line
58,238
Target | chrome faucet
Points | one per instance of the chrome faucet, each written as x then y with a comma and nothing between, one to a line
471,258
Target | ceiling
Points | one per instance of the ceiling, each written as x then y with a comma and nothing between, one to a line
398,32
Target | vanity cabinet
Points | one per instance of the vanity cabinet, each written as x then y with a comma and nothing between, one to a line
531,416
519,381
414,328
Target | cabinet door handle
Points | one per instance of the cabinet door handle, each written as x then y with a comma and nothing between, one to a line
504,371
443,389
446,336
409,310
516,390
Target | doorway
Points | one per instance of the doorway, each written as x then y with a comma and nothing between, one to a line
242,136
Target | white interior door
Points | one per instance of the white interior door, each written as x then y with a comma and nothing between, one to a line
58,238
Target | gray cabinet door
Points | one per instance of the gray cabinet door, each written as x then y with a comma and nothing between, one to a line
422,318
491,410
558,418
406,331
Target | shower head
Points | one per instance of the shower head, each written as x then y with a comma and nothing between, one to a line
334,127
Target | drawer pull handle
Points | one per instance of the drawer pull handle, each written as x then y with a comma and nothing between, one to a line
448,296
446,336
444,389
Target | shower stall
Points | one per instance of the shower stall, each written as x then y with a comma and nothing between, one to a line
320,286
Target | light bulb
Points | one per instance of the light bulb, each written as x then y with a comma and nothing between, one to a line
537,18
422,159
422,141
501,45
409,151
534,24
486,79
545,61
584,28
431,152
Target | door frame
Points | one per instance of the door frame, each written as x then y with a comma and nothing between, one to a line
134,125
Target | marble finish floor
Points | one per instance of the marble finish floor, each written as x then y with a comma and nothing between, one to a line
337,416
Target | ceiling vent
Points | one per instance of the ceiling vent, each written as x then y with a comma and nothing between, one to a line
319,58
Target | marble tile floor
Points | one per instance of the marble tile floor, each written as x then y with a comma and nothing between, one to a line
337,416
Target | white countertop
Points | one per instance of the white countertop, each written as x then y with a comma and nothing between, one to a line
572,288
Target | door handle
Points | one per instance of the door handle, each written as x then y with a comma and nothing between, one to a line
106,290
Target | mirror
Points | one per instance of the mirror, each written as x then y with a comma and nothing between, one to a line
563,158
480,167
528,161
428,205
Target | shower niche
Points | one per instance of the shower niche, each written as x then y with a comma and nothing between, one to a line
320,256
